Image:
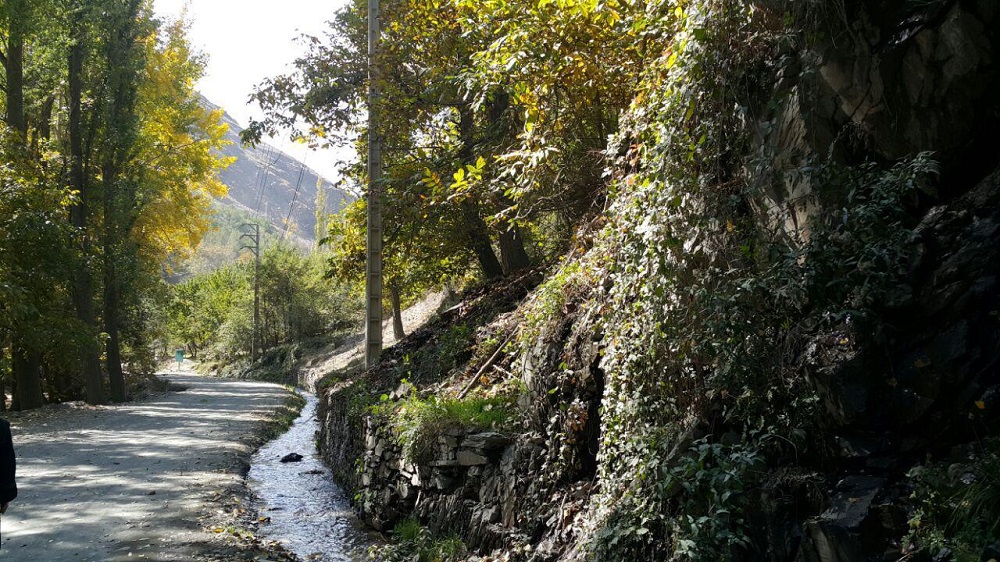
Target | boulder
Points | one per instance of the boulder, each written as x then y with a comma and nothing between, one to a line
834,536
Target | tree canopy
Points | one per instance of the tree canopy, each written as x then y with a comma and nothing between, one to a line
109,165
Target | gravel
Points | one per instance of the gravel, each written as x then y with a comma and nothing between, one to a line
150,480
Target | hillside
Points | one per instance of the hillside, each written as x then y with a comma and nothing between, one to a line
266,182
773,332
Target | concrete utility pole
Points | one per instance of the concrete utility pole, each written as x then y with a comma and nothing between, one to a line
373,277
254,247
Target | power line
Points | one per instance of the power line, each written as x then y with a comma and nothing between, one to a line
295,196
263,182
256,179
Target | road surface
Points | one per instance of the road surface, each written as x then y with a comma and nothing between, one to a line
138,481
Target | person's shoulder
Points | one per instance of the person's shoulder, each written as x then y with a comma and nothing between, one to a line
4,424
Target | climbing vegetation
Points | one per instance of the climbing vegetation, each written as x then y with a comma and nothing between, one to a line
705,292
957,505
707,265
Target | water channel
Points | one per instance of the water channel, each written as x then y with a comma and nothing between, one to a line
309,513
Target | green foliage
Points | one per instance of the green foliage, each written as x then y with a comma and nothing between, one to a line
204,308
957,506
694,499
565,96
494,133
36,315
421,252
34,258
570,281
707,292
417,422
84,246
213,312
415,543
454,347
298,302
702,282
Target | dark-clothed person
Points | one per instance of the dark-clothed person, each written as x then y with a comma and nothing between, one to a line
8,489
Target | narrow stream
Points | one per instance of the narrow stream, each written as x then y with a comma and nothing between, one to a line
309,513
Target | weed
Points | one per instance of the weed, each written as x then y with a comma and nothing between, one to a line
957,506
415,543
418,422
284,417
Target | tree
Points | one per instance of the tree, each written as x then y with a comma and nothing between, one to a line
210,313
329,87
80,211
136,152
176,150
16,18
33,270
123,57
506,106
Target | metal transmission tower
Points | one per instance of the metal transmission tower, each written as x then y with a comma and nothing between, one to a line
373,274
254,246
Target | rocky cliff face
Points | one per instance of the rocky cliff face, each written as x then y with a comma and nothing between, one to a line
891,88
913,391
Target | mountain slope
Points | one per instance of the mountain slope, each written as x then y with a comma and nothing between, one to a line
268,182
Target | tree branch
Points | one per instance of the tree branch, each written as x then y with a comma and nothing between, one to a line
487,365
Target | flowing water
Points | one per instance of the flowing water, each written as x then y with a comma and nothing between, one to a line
309,513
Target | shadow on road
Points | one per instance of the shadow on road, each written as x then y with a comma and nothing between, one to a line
130,482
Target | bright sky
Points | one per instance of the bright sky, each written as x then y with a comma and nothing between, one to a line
247,41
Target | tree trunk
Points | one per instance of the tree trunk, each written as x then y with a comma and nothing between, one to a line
14,67
116,376
112,292
14,406
479,241
24,364
27,376
82,289
45,120
512,250
478,235
119,189
61,387
397,311
4,373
